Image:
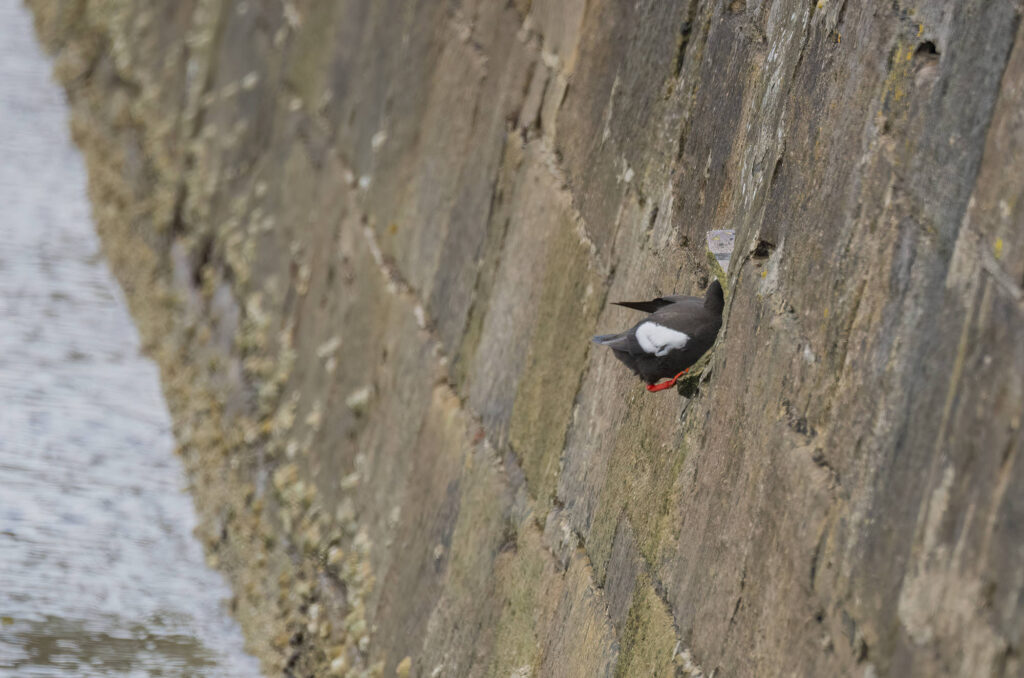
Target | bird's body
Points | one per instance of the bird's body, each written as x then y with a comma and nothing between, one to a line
678,331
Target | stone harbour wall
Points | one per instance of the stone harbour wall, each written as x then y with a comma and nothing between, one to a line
368,242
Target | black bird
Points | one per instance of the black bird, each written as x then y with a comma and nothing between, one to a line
678,331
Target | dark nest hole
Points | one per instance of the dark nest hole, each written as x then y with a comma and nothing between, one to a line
763,249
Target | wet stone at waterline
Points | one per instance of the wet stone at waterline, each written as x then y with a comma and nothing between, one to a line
99,572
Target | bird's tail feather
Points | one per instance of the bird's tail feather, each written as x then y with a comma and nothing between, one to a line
604,339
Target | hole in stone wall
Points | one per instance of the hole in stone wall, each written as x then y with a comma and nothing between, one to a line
763,249
684,40
178,219
775,172
925,50
203,255
926,64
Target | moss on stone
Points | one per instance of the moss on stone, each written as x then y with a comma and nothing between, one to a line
718,272
523,580
313,48
641,482
566,311
648,639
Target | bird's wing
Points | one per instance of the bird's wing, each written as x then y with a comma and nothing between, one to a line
657,339
647,338
646,306
655,304
689,316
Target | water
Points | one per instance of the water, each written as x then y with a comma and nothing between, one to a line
99,572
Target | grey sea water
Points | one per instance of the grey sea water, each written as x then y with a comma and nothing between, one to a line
99,572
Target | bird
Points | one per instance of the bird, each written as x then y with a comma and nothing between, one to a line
678,331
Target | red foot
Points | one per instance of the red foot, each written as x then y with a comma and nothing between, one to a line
666,384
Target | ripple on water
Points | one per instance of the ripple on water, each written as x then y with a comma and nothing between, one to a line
99,572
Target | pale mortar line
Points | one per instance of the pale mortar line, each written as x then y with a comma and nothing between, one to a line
549,159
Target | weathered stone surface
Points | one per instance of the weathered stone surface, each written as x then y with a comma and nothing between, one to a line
368,242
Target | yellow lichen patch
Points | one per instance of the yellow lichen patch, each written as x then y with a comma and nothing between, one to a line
894,93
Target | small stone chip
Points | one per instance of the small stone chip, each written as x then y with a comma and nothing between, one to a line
328,348
358,400
339,665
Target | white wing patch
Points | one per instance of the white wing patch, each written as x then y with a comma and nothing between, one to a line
658,339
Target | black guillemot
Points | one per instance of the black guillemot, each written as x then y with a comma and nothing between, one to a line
678,331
